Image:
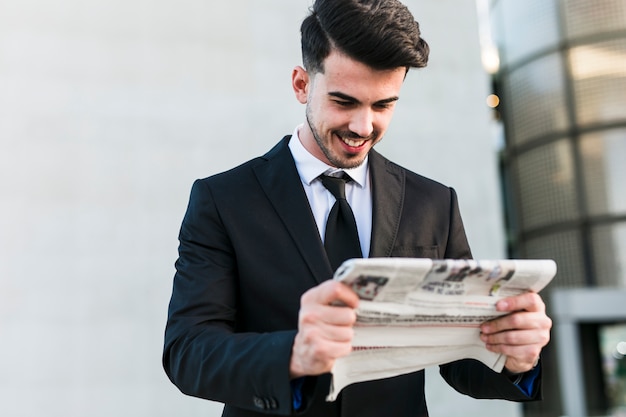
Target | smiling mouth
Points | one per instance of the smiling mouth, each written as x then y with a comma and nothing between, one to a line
354,143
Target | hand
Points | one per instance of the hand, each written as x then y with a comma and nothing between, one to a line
324,328
520,335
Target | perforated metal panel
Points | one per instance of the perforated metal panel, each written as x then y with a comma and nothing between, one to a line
566,250
547,192
585,17
599,79
609,247
551,121
536,100
525,27
604,171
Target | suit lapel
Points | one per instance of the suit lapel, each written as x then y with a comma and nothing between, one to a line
281,183
388,181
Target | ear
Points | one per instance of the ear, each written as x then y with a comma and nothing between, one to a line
300,84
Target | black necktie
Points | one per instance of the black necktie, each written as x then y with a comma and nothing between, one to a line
341,238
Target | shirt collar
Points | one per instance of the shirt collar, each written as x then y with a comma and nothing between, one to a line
309,167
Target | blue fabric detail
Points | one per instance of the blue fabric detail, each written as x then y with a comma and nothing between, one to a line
527,383
296,392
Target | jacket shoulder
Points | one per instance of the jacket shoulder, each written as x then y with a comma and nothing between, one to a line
245,170
412,179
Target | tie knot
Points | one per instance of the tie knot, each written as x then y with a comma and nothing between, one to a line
336,185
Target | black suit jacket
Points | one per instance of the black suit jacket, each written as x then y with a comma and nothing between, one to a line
249,248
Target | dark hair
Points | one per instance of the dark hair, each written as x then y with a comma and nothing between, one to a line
379,33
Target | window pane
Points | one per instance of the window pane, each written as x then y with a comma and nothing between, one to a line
604,171
609,247
534,100
599,77
547,192
584,17
566,250
525,27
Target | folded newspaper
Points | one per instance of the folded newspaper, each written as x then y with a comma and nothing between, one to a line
416,313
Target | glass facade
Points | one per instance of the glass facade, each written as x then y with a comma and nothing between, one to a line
562,84
562,89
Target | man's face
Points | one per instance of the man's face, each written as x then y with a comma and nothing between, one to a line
348,109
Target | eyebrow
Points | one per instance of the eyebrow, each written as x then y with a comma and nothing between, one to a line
346,97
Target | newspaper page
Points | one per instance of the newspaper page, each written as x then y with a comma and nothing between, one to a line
416,313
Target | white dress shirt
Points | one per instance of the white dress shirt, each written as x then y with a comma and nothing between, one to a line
358,191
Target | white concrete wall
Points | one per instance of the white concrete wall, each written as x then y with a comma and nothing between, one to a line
109,110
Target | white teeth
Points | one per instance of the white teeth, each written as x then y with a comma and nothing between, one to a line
353,143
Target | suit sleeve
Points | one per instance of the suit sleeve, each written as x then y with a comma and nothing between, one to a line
471,377
203,355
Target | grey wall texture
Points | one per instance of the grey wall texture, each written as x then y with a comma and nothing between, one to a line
108,112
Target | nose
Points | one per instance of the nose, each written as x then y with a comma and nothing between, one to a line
362,123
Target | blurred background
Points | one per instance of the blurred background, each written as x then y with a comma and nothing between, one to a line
109,110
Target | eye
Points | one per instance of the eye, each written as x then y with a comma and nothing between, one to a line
384,105
343,103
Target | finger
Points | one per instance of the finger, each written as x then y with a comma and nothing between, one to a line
517,338
318,333
337,315
340,334
312,314
331,292
317,322
520,320
529,301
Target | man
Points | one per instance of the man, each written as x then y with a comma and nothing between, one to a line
254,321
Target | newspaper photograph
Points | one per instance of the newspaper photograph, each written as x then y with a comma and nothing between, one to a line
416,312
